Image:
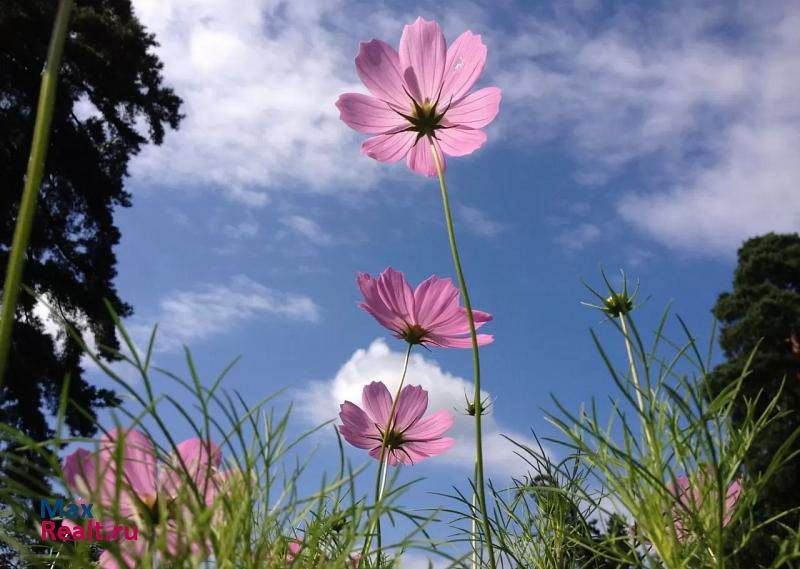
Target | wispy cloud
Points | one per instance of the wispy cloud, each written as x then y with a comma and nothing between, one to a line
307,228
241,230
477,222
259,82
576,237
321,402
714,113
212,309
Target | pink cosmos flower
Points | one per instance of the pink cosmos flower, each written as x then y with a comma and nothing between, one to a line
690,498
421,94
429,315
142,487
411,438
292,549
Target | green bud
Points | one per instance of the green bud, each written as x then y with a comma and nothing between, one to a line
618,304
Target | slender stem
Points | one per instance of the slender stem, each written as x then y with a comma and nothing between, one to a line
383,478
636,382
479,478
474,523
380,479
27,206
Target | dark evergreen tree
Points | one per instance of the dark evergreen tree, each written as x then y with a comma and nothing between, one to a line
764,310
110,64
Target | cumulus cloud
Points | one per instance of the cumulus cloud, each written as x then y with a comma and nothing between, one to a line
715,112
445,391
259,84
210,309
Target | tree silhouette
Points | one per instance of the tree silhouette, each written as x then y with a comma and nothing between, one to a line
110,101
764,310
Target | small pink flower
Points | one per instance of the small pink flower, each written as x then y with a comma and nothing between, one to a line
293,548
421,94
142,486
690,498
429,315
411,437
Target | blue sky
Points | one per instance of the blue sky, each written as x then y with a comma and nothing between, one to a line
647,137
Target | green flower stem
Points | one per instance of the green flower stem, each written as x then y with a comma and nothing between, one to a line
380,479
636,382
479,478
27,206
474,523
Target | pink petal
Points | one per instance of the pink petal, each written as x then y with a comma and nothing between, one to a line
378,67
367,114
459,141
731,498
177,544
465,60
375,306
458,324
427,449
424,51
389,147
681,488
293,548
411,406
196,464
431,427
129,557
135,453
476,110
454,342
396,294
435,299
420,158
377,402
82,472
357,428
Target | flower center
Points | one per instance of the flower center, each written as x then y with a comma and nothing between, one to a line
393,439
425,118
152,511
414,334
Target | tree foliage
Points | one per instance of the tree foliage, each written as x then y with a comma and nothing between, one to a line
763,311
110,101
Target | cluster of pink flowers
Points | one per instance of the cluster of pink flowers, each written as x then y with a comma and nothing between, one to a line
421,103
689,498
143,488
421,108
429,315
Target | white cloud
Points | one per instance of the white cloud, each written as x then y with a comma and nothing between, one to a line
307,228
51,322
716,111
576,237
378,362
47,312
242,230
478,223
209,309
259,82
